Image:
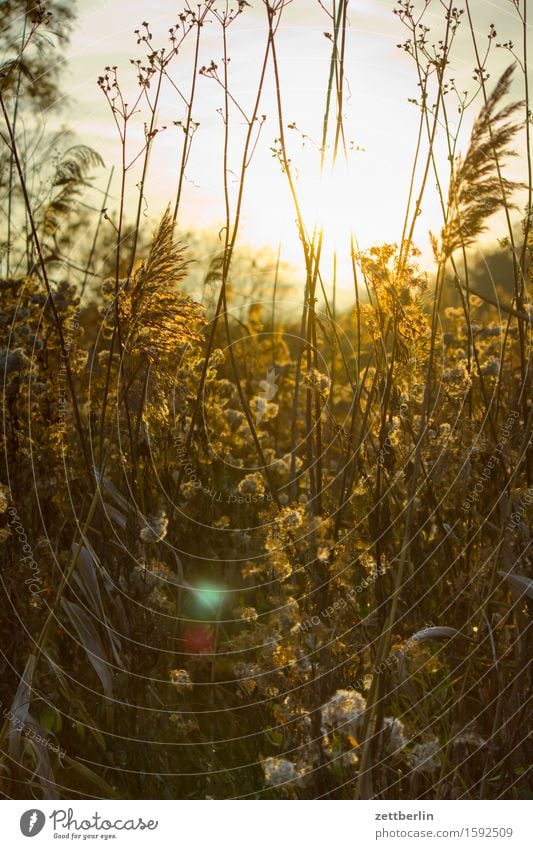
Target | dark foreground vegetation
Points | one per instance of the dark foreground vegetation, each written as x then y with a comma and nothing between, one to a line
279,555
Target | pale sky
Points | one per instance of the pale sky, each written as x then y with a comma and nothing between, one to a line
370,197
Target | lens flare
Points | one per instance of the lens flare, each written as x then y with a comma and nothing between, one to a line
208,596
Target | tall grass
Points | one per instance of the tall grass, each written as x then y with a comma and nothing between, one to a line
278,555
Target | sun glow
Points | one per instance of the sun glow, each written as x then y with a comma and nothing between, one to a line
328,205
328,201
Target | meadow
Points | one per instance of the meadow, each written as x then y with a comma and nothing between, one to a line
256,543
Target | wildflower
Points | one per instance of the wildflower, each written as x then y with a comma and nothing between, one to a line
188,490
491,368
474,329
252,485
345,708
251,570
4,498
282,465
246,674
278,771
368,563
263,409
142,575
290,615
234,418
279,563
292,518
156,528
350,758
453,312
316,380
103,358
249,614
394,730
425,756
13,361
269,389
303,664
157,598
471,739
457,376
181,680
223,522
108,287
153,572
79,360
38,387
490,330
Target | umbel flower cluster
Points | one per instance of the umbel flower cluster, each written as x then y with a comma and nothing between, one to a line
241,583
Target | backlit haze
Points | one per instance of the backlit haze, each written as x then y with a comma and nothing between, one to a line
366,196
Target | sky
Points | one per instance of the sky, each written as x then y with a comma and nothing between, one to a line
366,196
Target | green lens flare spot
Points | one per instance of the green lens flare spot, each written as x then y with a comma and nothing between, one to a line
208,596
